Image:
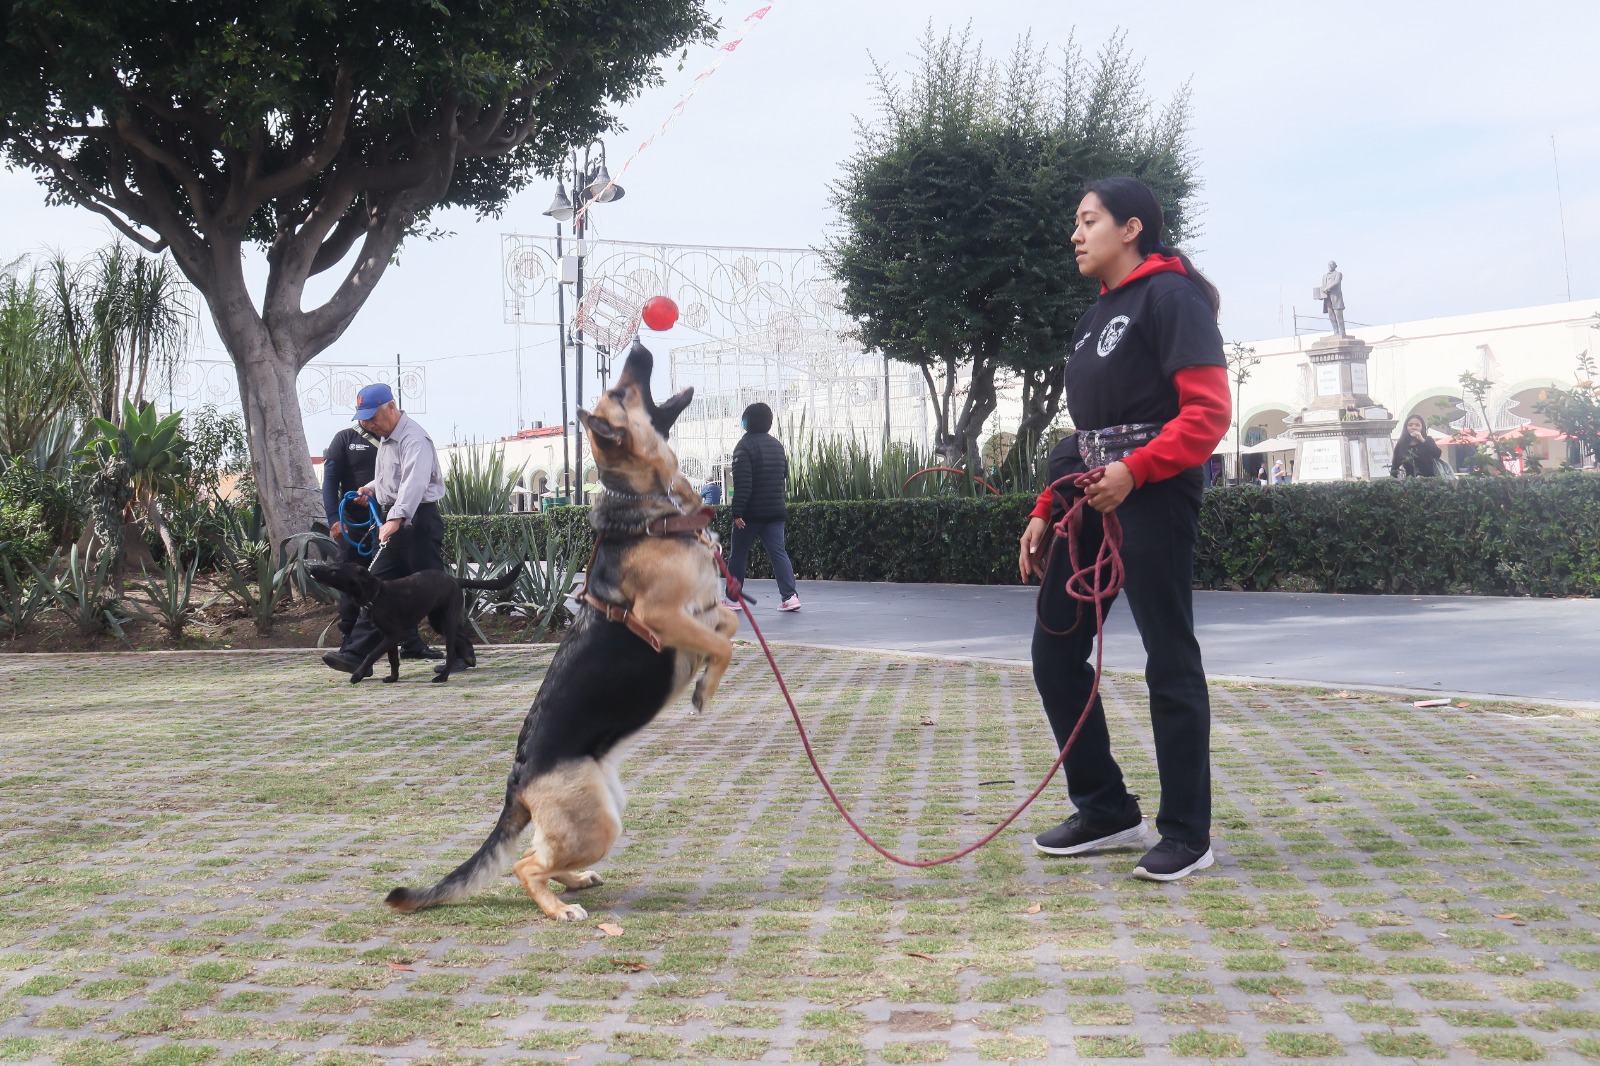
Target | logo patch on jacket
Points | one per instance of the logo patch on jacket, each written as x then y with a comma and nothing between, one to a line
1111,335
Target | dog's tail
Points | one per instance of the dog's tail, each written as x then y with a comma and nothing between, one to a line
499,584
487,864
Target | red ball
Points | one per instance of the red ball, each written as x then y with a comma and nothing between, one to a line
659,313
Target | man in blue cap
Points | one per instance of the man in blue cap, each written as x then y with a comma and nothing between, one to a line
407,486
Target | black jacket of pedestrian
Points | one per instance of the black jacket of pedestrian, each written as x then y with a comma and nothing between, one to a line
346,466
1416,458
760,470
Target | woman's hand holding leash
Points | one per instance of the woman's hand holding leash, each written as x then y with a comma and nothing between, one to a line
1107,491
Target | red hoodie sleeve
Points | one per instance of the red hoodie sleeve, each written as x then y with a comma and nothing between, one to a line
1041,508
1204,408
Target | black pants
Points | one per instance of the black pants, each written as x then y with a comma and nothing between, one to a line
1159,525
349,610
771,534
418,546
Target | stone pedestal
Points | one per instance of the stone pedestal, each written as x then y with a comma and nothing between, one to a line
1342,435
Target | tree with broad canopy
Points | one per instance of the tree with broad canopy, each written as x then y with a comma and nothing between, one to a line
956,215
310,129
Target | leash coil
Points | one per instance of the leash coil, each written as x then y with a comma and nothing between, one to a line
364,545
1095,583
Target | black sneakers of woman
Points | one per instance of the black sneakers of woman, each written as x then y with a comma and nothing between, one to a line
1169,860
1082,833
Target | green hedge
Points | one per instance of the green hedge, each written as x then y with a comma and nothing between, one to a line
1528,536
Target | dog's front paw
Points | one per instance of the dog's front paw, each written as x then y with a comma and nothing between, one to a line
570,912
357,678
586,879
440,677
391,679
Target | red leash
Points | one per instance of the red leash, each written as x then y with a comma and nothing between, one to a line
1095,583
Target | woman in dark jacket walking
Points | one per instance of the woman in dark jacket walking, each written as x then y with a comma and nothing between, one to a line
760,471
1416,453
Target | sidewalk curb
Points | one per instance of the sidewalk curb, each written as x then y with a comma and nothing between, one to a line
1290,682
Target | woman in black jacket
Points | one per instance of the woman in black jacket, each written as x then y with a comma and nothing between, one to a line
1416,453
760,472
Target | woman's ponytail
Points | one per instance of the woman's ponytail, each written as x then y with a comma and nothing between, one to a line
1129,198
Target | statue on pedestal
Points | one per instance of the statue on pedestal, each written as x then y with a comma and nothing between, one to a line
1331,293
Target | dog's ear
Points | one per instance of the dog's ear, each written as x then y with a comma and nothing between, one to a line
667,413
601,431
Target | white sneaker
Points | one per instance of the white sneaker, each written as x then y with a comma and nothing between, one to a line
790,604
732,605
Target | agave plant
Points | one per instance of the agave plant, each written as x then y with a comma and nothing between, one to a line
479,482
22,600
252,581
146,451
295,558
171,603
543,587
84,591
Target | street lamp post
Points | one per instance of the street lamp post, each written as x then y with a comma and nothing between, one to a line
591,183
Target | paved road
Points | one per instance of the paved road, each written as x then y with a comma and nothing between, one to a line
1525,648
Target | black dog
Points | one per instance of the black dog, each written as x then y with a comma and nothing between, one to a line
396,607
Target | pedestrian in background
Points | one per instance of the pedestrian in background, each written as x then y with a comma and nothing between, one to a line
760,473
347,465
407,486
1416,454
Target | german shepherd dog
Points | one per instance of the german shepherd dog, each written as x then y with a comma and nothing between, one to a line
608,680
399,606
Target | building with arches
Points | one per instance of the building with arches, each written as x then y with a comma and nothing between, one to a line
1416,368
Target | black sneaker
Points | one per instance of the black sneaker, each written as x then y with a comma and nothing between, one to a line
1079,834
422,651
1172,859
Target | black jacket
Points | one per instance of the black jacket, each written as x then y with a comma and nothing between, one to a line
1416,458
760,471
349,463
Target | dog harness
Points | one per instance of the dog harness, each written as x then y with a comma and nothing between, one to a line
678,525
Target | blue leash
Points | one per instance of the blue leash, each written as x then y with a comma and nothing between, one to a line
363,545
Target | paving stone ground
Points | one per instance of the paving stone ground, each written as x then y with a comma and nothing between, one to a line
195,850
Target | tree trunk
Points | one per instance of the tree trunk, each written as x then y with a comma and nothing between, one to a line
280,457
1041,401
976,408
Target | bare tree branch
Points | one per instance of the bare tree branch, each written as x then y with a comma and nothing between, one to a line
258,190
135,136
85,194
345,234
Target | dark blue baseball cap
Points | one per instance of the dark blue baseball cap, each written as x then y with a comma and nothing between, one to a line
369,399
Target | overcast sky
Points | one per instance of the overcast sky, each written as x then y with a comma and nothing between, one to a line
1408,139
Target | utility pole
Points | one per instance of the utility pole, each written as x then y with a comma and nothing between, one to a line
561,328
397,402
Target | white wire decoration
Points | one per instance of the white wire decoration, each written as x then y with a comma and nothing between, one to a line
323,387
773,332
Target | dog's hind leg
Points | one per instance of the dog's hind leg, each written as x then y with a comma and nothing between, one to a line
575,823
394,663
